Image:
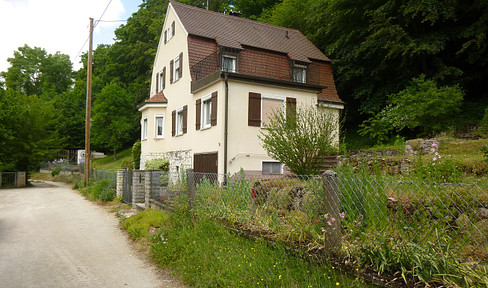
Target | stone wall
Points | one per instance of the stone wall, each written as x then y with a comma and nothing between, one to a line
138,186
413,147
179,161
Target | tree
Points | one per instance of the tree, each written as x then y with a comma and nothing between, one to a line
112,121
300,139
27,131
421,105
34,72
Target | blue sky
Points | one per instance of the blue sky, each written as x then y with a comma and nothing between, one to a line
59,25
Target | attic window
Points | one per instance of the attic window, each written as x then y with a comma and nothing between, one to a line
169,33
299,73
229,63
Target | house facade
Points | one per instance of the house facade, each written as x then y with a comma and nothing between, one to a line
216,79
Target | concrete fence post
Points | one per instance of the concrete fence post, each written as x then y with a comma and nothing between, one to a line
121,179
138,187
20,179
190,187
333,230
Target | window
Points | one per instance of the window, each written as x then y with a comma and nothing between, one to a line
169,33
206,111
300,73
159,121
176,67
179,121
261,107
144,129
272,168
229,63
270,104
161,79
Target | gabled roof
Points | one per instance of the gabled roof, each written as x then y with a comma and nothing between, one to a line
235,32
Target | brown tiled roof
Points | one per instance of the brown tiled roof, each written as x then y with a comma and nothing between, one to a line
235,32
157,98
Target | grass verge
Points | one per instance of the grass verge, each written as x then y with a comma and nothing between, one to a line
204,253
108,163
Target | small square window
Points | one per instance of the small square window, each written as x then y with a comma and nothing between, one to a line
272,168
159,126
229,63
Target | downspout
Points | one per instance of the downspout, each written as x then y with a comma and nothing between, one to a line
226,125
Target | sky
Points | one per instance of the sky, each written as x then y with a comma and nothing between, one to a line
59,25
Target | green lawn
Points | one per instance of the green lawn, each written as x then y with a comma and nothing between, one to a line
108,163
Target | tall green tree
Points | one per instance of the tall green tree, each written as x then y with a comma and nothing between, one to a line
112,121
34,72
28,132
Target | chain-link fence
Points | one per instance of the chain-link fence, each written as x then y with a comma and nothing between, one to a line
98,175
353,216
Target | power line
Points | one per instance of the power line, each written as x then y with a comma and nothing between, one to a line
96,23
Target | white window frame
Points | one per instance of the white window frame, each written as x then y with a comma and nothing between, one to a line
234,70
274,97
144,127
169,33
156,135
178,125
203,113
176,69
160,80
300,69
271,162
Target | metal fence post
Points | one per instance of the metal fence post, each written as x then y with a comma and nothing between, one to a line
333,231
190,183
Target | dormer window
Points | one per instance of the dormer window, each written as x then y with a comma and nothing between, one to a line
299,73
229,63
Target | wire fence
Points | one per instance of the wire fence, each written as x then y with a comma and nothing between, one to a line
352,216
98,175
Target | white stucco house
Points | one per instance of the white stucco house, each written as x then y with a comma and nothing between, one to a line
215,79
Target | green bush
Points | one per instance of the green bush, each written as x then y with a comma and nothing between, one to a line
102,191
157,164
128,163
136,154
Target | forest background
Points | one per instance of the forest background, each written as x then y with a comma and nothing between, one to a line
404,68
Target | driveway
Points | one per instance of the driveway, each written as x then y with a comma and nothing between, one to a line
50,236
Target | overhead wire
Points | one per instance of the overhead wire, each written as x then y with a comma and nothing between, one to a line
95,25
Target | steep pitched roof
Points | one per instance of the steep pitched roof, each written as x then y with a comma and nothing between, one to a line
235,32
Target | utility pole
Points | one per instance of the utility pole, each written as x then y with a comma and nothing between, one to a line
88,105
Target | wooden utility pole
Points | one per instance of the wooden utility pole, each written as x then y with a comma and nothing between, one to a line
88,105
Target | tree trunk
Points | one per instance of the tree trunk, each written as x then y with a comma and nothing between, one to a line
115,155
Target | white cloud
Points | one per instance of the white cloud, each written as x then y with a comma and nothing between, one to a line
55,25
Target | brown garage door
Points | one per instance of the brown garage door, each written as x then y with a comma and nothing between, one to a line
205,163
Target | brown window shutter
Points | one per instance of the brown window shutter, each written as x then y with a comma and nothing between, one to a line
291,104
198,107
173,123
165,37
164,77
157,82
291,109
180,70
173,28
213,113
254,112
185,118
171,63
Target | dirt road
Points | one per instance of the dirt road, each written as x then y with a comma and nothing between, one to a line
50,236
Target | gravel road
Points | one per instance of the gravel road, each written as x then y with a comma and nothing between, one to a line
50,236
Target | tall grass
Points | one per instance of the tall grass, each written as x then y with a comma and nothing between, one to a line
206,254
